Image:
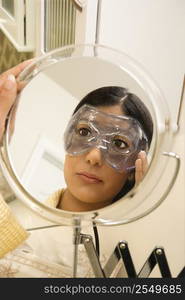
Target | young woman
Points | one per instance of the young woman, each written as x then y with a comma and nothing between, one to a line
106,142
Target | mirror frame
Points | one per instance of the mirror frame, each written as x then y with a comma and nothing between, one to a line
162,136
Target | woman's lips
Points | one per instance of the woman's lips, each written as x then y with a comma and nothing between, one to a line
90,178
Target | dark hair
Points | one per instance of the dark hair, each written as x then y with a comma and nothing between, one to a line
131,106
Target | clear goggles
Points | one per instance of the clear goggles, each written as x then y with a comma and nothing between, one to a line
119,138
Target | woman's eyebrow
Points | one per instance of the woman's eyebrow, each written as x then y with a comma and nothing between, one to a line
104,123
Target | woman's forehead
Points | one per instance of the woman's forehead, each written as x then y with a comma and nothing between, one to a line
105,114
106,117
113,109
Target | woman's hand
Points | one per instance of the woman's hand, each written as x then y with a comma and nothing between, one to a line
141,166
8,91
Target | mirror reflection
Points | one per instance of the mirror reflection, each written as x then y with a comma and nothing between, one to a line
106,142
80,148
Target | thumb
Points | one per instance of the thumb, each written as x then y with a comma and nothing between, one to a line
8,93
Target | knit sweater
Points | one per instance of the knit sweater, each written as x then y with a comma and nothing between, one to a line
12,234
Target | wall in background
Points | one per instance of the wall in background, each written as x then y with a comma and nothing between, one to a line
9,56
152,32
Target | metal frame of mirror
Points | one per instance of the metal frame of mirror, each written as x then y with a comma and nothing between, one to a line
163,136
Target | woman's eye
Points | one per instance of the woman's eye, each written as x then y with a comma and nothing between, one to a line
84,131
120,144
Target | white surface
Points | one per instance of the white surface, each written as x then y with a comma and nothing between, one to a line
152,32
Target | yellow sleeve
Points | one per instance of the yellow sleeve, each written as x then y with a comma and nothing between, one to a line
12,234
55,198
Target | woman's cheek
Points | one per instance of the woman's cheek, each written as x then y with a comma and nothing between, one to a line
115,182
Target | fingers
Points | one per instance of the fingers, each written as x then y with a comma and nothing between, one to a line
17,69
143,157
138,171
8,93
141,166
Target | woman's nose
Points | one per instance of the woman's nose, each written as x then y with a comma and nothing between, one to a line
94,157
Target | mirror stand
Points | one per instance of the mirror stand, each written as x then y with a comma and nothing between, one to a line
120,263
157,257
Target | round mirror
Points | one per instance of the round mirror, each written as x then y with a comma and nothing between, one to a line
86,137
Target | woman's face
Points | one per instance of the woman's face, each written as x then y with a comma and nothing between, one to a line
89,178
